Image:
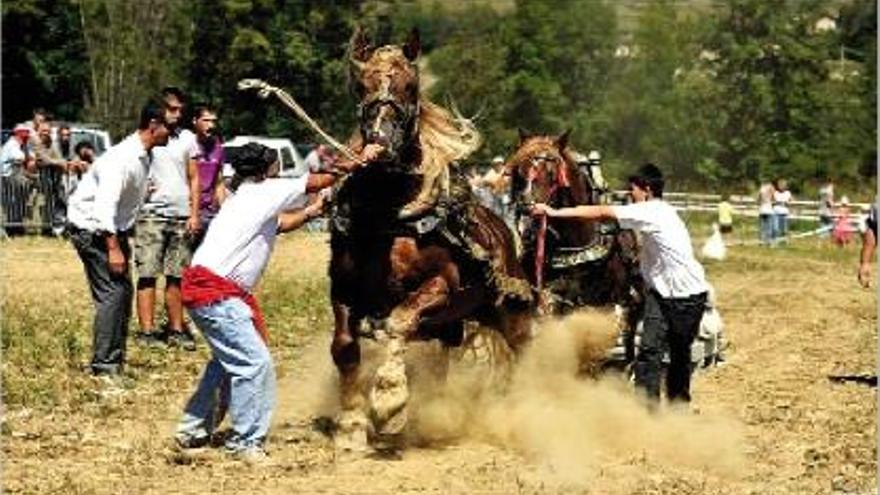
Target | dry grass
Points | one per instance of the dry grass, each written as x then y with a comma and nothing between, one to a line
794,316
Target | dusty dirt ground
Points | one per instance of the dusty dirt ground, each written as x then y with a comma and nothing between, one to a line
769,421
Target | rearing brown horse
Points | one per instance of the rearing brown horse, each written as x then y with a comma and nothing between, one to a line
409,272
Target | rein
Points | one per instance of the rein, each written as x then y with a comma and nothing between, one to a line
561,182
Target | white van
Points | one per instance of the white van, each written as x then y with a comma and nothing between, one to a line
91,133
292,163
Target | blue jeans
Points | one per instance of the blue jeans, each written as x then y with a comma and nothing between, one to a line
780,225
766,225
241,359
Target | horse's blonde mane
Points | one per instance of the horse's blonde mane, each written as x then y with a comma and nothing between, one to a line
445,137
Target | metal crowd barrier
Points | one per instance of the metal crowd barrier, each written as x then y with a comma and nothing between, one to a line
33,204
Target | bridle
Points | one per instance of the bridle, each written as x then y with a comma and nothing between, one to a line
539,164
373,111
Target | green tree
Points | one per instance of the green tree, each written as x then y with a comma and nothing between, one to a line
133,51
649,113
469,68
770,73
44,59
558,60
300,46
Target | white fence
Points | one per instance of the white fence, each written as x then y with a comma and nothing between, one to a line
747,206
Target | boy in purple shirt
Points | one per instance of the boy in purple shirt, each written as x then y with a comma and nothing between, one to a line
209,163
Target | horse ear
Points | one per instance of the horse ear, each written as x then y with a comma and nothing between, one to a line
359,46
562,140
523,134
413,45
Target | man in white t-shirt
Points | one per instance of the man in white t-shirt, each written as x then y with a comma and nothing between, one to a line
218,292
676,281
164,226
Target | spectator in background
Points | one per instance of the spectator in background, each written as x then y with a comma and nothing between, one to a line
765,212
496,185
85,152
209,161
869,246
725,215
781,200
101,215
320,159
52,169
33,125
826,207
168,216
15,160
843,229
83,156
63,144
39,117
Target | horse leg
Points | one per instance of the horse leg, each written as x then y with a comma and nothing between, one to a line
516,327
346,353
390,393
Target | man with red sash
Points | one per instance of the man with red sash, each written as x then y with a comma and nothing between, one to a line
218,292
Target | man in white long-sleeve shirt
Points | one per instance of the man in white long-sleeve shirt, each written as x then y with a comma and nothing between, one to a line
676,281
101,214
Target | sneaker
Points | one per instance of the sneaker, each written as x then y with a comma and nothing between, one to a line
250,455
187,442
183,339
151,338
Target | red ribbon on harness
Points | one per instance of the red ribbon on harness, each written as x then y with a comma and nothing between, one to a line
201,287
562,178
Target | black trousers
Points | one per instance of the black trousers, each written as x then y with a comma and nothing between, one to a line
112,296
670,324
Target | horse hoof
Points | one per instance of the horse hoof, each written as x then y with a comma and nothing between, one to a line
388,446
351,435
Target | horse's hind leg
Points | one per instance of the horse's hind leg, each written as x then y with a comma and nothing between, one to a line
345,349
390,394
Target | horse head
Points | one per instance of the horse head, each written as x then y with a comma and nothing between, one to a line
385,80
544,171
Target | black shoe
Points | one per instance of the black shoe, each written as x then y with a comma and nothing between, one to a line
185,442
151,338
183,339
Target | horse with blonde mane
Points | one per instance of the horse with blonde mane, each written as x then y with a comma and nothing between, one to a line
412,251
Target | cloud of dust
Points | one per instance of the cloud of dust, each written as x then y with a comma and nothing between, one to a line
573,425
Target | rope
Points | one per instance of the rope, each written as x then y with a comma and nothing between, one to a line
264,89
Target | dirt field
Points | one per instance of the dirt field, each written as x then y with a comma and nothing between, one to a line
770,421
